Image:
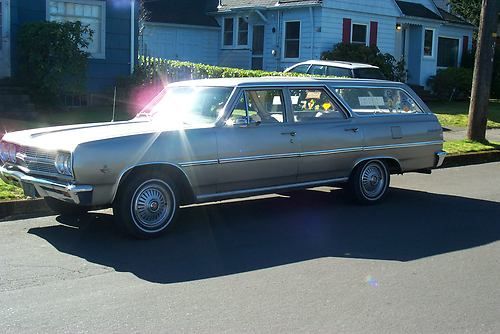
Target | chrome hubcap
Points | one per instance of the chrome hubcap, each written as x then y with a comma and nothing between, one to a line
152,204
373,180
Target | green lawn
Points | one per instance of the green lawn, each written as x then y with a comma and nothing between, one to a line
8,192
455,114
467,146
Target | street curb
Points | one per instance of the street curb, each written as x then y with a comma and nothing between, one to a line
472,158
38,208
30,207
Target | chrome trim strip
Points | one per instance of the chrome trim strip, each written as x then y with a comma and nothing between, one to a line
198,163
336,151
260,157
237,193
391,146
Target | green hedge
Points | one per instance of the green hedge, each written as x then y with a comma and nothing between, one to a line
151,70
452,83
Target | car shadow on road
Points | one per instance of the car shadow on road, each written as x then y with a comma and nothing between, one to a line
228,238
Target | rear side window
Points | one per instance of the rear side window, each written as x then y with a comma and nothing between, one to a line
312,105
338,72
369,101
317,70
369,73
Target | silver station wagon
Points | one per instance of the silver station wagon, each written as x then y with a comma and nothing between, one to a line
207,140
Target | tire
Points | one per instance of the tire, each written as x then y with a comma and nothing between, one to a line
146,205
64,208
369,182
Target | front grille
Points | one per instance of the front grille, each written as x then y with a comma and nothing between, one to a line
37,160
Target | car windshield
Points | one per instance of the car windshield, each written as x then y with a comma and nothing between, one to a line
369,73
191,105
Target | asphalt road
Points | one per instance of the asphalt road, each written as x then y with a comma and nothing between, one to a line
427,260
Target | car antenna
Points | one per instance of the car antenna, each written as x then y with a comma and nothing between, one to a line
114,106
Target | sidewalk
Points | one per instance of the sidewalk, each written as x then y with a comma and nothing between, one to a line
493,135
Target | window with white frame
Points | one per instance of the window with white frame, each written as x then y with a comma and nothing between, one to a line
359,34
242,31
228,31
291,48
90,13
235,32
429,42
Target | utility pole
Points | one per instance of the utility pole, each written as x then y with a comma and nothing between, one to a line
483,69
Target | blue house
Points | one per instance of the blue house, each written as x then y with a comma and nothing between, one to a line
274,34
113,51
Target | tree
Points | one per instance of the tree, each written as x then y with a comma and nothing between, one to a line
470,10
483,68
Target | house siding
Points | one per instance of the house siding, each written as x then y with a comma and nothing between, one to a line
188,43
101,73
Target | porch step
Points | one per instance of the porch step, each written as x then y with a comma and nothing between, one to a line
15,103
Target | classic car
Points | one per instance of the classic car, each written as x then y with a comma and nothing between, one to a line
214,139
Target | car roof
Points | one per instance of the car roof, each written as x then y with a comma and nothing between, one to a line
336,63
280,81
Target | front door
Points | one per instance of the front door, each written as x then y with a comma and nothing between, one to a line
4,38
258,47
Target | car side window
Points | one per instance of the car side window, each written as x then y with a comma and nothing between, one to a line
300,68
313,104
259,106
377,100
338,72
317,70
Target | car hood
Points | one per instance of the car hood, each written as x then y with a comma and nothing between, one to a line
68,137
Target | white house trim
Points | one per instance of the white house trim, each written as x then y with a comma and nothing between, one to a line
283,40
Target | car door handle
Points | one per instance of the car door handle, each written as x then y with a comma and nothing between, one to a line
291,133
352,129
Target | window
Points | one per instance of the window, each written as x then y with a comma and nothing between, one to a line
91,13
338,72
313,104
228,31
359,34
447,52
259,106
242,31
317,70
292,40
429,43
369,101
300,68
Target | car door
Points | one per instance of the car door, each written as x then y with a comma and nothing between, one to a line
330,139
256,145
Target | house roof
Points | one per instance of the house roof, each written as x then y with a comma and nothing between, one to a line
232,4
192,12
417,10
452,18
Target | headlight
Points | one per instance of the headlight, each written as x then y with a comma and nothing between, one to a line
4,151
63,163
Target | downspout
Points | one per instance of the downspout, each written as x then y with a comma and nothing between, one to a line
311,14
132,36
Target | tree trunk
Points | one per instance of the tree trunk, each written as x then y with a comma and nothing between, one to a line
483,69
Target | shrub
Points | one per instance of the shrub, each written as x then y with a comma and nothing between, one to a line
51,58
392,69
452,83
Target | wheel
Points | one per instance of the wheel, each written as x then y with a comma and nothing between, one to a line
146,205
369,182
64,208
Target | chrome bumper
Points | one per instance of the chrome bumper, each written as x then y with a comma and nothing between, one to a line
440,158
37,187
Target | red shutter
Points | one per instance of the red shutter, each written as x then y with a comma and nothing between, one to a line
346,32
373,33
